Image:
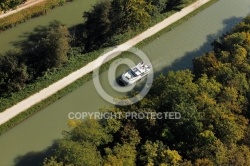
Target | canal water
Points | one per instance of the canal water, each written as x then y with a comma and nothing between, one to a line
28,142
70,14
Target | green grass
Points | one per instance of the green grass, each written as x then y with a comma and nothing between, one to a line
74,64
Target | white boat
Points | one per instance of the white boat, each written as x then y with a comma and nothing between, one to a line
135,74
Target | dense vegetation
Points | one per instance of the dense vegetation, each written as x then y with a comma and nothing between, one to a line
18,68
119,16
213,130
22,68
10,4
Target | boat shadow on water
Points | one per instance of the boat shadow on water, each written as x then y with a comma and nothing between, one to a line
118,82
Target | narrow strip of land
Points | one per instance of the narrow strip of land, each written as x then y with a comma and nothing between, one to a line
27,4
55,87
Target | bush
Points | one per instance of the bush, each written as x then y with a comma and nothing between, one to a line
10,4
75,62
51,51
13,72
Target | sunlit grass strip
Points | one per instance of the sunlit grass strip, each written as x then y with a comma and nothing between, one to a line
36,10
74,64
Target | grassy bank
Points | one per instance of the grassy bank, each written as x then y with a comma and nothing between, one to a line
75,63
39,9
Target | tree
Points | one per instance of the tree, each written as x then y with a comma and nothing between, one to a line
160,4
238,155
51,51
97,26
13,72
10,4
175,4
121,154
52,162
243,26
133,13
78,154
203,162
156,153
107,19
206,64
91,131
214,124
236,40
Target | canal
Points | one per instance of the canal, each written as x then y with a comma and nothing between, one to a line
70,14
28,142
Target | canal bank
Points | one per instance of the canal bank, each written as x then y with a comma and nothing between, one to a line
23,95
55,87
173,50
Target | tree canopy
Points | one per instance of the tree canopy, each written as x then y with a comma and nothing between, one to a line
213,128
20,67
110,18
10,4
13,72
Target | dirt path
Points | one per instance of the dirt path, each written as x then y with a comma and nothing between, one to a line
27,4
45,93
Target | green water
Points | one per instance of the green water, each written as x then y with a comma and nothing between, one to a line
69,14
26,143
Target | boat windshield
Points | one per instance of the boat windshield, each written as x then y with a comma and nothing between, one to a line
135,71
134,74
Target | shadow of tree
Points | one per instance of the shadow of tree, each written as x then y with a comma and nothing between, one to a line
30,38
206,47
189,56
35,158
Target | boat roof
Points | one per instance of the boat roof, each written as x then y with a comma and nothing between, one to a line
137,71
